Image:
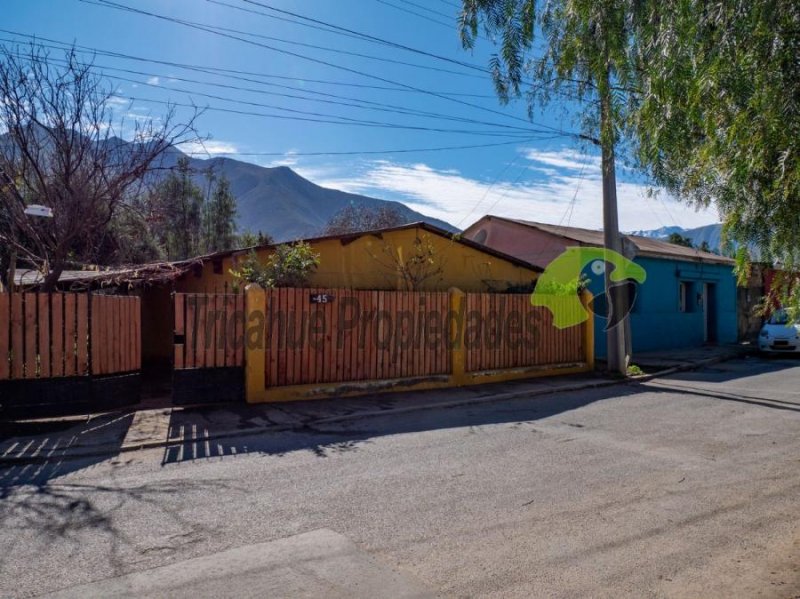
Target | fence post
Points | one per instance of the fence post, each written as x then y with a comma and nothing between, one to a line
255,343
588,330
458,353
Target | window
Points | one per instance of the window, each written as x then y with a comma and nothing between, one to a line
686,299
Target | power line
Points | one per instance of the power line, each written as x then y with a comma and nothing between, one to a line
337,50
488,189
345,119
369,152
329,121
379,107
233,73
367,36
109,4
415,13
427,9
352,33
376,106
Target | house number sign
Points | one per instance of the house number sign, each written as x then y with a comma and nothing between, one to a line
321,298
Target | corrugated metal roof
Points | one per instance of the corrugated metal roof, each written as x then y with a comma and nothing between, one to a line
129,275
344,237
645,246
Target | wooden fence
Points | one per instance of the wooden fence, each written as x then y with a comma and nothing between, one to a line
209,330
505,331
49,335
343,335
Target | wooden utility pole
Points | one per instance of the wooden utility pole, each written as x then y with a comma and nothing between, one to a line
616,299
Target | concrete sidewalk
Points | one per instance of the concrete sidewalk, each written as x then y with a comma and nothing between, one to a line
113,433
320,563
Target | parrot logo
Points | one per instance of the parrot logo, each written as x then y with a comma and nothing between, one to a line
557,287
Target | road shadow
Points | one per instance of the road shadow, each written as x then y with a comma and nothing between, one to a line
70,513
748,367
730,372
42,448
342,437
775,404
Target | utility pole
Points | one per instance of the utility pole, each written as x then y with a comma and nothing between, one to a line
616,298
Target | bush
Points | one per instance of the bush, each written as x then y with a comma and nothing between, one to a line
290,265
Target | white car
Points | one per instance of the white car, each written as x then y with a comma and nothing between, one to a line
778,335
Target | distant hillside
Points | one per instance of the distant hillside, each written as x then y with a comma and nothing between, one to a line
277,200
280,202
711,234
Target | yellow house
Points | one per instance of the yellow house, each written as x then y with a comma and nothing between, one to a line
379,259
367,260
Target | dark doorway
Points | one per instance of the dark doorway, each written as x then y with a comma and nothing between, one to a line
710,312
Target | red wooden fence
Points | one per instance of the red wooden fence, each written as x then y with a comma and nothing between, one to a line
46,335
209,330
354,335
506,331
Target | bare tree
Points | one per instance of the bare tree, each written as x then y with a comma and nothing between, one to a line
61,146
357,218
415,266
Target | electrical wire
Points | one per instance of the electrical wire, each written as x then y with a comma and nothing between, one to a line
367,152
231,73
359,103
118,6
415,13
323,120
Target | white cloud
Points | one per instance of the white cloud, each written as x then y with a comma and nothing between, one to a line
208,148
288,159
461,200
118,101
563,159
153,81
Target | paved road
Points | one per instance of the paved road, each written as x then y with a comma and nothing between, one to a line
687,486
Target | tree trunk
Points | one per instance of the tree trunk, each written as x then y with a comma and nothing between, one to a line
51,280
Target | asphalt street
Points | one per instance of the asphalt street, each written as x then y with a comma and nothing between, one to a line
684,486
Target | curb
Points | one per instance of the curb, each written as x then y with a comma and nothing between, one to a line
305,426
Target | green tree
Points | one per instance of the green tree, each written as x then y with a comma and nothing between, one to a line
719,114
248,239
220,218
706,94
289,265
679,239
176,213
587,56
133,240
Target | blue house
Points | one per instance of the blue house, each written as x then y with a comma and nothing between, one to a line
687,300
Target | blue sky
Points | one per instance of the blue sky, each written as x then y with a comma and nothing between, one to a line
525,170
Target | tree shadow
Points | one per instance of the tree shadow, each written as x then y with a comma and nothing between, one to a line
70,513
351,435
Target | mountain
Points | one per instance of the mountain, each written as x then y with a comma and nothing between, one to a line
283,204
711,234
276,200
660,233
